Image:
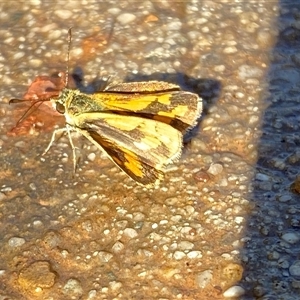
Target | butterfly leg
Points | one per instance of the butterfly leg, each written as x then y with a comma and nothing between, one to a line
68,129
56,131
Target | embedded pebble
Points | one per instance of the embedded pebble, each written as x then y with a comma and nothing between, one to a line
294,269
265,38
204,278
115,285
122,224
18,55
230,50
185,245
73,288
37,224
194,254
130,232
220,68
105,256
16,242
54,34
119,64
92,294
215,169
175,25
179,255
239,220
234,291
63,14
126,18
117,247
291,237
92,156
114,10
284,198
246,71
262,177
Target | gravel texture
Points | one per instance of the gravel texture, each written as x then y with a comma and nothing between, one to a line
224,223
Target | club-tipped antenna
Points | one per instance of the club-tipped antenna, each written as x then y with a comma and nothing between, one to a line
68,55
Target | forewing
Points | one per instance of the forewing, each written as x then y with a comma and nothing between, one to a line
179,109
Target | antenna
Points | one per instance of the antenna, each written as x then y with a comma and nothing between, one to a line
29,110
68,55
37,103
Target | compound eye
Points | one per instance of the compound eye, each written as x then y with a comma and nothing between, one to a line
60,108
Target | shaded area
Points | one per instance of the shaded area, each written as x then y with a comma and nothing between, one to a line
271,254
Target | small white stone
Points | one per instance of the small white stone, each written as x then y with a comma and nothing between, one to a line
265,38
35,62
18,55
240,95
37,224
126,18
234,291
117,247
253,119
203,278
115,285
239,220
215,169
63,13
73,288
185,245
16,242
291,237
35,2
114,10
119,64
92,156
154,236
194,254
262,177
92,294
130,232
219,68
179,255
154,225
54,34
76,52
230,50
32,186
104,256
174,25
